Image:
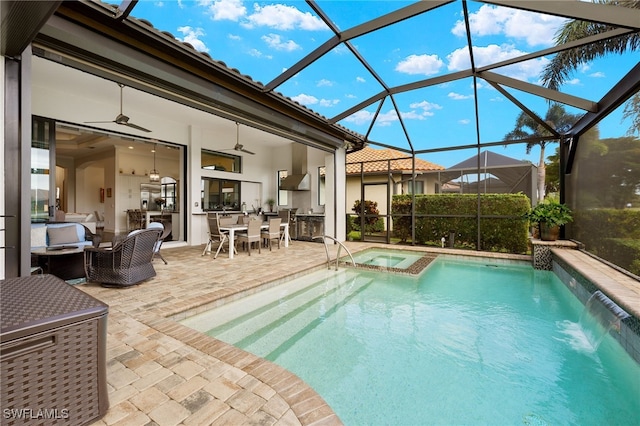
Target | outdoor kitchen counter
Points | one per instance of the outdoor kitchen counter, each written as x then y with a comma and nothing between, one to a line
309,226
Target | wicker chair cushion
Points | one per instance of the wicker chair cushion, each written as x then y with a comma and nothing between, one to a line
64,235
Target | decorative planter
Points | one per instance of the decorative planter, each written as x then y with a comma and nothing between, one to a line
549,232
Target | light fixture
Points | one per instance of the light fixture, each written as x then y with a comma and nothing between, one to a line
154,176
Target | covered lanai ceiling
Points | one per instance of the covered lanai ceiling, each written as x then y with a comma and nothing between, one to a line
418,77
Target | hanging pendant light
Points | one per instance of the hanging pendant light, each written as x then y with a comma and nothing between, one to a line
154,176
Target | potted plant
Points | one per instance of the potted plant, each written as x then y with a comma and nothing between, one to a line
270,203
548,216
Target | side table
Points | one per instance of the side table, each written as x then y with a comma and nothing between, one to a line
65,262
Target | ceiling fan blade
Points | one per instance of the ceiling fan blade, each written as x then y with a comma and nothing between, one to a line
124,120
135,126
121,118
247,151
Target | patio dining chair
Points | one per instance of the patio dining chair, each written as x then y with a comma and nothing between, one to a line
252,235
285,217
216,236
273,232
166,230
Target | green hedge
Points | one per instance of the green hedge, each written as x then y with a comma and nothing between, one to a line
624,252
353,224
611,234
509,233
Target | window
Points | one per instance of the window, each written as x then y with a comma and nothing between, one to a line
169,193
220,194
283,196
419,187
322,173
211,160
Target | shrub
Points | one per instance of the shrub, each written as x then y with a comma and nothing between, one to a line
503,227
372,222
611,234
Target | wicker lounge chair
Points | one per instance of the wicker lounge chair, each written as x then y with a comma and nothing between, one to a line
127,263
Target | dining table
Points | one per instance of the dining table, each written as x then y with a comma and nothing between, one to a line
233,228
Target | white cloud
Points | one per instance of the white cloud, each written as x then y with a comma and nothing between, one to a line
531,69
386,118
458,97
425,106
303,99
234,37
283,17
360,117
464,121
340,49
535,28
360,80
258,54
229,10
350,96
574,82
329,102
420,111
275,41
192,36
420,64
324,83
598,74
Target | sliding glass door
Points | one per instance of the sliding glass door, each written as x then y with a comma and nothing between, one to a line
43,193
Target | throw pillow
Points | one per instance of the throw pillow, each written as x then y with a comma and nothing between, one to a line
62,235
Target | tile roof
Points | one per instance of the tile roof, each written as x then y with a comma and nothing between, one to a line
376,161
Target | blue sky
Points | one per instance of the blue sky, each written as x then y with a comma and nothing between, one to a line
263,39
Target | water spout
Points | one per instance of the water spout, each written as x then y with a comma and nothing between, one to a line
600,315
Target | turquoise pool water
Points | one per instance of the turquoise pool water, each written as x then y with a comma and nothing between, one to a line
464,343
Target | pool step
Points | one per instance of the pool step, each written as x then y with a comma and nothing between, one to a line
269,341
269,330
277,306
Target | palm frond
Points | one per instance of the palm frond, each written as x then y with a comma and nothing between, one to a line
562,66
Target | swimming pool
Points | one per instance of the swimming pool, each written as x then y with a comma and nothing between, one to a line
463,343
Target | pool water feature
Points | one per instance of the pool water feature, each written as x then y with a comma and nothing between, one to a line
463,343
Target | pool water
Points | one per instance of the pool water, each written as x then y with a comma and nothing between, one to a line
463,343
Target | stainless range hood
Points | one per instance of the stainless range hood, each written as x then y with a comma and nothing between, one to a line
298,182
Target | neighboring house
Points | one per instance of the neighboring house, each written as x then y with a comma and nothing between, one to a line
498,174
386,172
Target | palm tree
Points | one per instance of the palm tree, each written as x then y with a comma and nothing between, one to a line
528,128
632,111
566,62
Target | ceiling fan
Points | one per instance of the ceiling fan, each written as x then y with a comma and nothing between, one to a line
121,118
239,146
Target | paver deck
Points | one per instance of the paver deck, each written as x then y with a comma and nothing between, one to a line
161,372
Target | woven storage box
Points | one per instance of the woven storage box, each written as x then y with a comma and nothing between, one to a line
52,353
